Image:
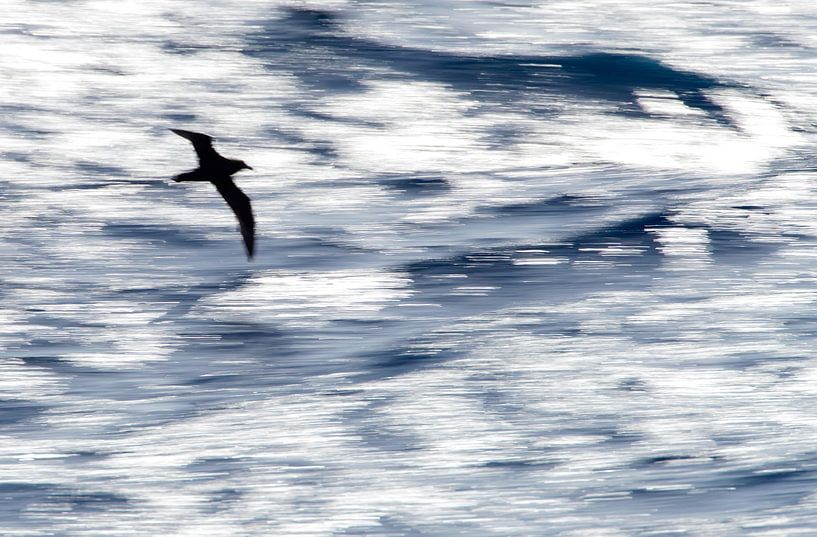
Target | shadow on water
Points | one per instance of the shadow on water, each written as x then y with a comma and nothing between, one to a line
303,40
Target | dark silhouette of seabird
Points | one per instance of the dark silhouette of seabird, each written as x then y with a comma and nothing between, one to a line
217,169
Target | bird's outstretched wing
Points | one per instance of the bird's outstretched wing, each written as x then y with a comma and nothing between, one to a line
202,143
240,204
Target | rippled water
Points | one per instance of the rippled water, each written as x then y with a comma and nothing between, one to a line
522,269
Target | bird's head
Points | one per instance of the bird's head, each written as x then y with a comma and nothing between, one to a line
244,165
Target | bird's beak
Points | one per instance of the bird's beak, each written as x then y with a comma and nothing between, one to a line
248,166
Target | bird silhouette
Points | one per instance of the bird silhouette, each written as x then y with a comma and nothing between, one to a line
217,169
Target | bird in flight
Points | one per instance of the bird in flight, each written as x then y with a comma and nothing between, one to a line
217,169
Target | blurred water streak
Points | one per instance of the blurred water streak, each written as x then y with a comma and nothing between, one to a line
522,268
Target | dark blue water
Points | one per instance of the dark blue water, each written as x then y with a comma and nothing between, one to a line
521,270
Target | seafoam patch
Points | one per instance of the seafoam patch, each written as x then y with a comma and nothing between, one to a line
306,299
684,247
699,144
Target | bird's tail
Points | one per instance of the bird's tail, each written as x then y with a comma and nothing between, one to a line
194,175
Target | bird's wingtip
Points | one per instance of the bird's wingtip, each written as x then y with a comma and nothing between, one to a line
192,136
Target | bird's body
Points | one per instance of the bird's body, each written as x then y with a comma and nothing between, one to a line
217,169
